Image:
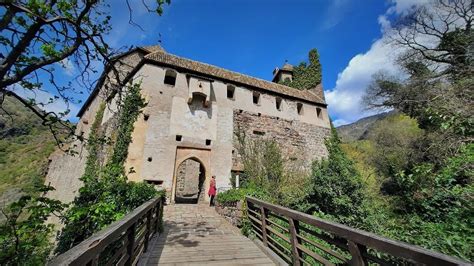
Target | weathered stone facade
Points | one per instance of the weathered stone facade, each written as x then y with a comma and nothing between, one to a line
301,142
193,111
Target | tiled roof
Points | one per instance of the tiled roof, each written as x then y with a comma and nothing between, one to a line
160,56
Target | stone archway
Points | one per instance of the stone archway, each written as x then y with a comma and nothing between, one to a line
190,177
191,157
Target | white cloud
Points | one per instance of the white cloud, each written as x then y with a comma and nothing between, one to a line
43,98
335,13
67,66
345,99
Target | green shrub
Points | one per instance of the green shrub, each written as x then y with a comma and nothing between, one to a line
337,188
25,238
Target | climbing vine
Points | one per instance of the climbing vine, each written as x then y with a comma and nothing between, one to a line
94,144
305,76
106,195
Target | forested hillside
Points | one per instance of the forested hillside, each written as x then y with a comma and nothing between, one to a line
24,149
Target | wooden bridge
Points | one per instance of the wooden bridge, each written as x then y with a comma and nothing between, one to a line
197,235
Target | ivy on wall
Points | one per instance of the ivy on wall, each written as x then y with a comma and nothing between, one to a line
305,76
106,195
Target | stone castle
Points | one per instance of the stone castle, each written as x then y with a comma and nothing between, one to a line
186,133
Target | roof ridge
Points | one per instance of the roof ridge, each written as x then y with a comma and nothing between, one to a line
219,72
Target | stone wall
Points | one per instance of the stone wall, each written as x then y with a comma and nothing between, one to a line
300,142
231,212
189,181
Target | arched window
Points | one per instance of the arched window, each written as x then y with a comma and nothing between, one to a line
170,77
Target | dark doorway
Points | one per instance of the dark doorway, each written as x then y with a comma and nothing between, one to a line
190,177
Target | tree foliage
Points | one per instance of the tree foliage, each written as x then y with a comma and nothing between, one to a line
25,238
38,37
306,76
337,188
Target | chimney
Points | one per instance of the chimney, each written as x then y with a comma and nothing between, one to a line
283,74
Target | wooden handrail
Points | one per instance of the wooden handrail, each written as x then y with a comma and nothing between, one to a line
356,242
117,243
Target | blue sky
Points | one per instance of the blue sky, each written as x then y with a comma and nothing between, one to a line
255,36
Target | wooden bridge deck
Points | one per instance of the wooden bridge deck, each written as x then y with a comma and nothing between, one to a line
197,235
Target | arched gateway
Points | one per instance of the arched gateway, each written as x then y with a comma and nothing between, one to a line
191,175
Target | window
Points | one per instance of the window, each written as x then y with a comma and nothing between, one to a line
170,77
318,112
256,97
258,132
299,107
230,92
208,142
179,137
278,103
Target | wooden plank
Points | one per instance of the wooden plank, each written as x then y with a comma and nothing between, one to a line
357,252
294,241
382,244
131,245
314,255
326,249
280,235
82,253
279,252
264,225
279,226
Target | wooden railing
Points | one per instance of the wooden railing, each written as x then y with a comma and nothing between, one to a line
299,238
121,243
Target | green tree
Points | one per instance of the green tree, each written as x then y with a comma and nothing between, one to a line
37,36
25,238
306,76
337,188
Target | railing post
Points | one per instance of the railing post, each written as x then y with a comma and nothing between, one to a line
263,216
157,214
357,251
294,230
148,228
131,244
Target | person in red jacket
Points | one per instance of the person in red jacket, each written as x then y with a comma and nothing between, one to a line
212,190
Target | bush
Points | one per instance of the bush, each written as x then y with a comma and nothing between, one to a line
25,238
337,188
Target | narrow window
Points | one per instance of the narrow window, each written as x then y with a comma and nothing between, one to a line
318,112
278,103
208,142
299,107
170,77
179,137
258,132
256,97
230,92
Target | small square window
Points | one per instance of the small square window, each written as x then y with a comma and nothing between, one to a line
256,98
230,92
278,102
299,108
179,138
208,142
319,112
170,77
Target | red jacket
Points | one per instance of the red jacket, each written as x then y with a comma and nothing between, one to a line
212,188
